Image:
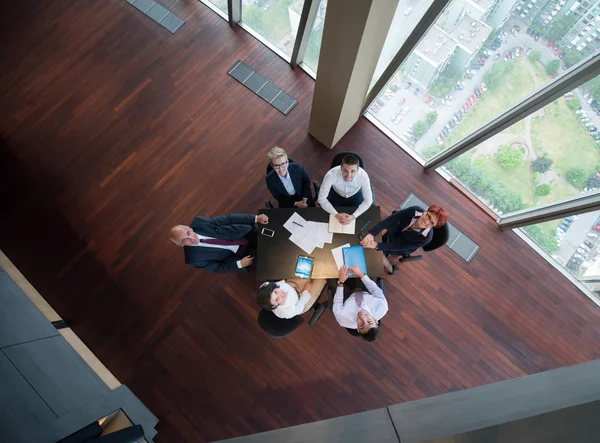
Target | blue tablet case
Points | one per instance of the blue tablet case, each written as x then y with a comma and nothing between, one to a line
355,256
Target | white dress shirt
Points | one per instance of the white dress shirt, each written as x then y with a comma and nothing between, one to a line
373,302
294,304
287,183
334,179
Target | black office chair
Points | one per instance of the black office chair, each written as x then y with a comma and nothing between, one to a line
280,327
332,287
440,238
336,161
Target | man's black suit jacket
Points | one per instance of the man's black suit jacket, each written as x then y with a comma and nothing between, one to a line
301,184
401,242
227,227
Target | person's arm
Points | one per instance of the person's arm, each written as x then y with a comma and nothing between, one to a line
372,287
324,192
405,245
367,195
234,219
270,179
219,267
338,303
306,192
380,302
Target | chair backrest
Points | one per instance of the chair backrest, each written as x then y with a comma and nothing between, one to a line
440,238
337,160
277,327
270,168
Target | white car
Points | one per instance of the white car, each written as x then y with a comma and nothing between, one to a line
408,11
446,102
585,247
581,251
484,87
578,256
592,235
405,110
397,119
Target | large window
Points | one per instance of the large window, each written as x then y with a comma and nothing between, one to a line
478,60
221,4
311,57
275,20
574,243
548,156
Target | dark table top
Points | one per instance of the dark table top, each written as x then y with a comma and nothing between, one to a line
277,255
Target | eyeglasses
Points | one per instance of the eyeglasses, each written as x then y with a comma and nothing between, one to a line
280,165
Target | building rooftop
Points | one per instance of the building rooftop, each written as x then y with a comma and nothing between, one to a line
435,46
470,33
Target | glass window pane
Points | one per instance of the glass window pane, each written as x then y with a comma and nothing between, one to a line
574,243
548,156
221,4
407,15
275,20
311,57
478,60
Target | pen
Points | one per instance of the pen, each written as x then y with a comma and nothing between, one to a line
366,224
297,224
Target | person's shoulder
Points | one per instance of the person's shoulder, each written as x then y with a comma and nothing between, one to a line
271,175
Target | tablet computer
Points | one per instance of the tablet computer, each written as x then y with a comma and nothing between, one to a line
304,266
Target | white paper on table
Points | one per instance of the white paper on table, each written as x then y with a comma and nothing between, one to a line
338,255
304,242
296,224
321,233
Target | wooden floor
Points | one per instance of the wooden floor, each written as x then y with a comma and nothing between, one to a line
116,130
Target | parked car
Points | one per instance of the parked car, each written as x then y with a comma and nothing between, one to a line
407,85
408,11
477,93
597,227
380,102
445,131
529,50
416,91
428,99
405,110
564,226
581,251
451,124
592,235
496,56
537,36
484,87
529,31
446,102
589,244
402,100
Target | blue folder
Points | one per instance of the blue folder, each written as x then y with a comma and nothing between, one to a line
355,256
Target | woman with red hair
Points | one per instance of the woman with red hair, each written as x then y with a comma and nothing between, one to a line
407,230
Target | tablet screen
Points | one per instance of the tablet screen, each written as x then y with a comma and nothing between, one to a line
304,266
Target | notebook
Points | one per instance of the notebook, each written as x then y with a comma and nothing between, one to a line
355,256
336,227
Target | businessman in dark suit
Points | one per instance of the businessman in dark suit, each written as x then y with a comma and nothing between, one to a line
219,244
288,182
407,230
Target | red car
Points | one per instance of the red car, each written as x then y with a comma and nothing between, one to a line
550,43
597,227
465,107
474,97
402,100
428,99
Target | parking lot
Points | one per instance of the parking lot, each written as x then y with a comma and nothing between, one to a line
574,252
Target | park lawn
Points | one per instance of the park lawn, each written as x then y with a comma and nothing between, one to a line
273,24
518,84
560,190
560,134
516,180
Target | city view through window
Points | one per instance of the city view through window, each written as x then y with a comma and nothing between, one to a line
479,59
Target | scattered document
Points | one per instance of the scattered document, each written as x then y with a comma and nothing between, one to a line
304,242
338,255
296,224
322,233
336,227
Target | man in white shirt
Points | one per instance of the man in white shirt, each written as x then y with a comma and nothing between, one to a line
219,244
346,185
282,298
363,309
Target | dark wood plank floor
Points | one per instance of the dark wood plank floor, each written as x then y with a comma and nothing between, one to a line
115,130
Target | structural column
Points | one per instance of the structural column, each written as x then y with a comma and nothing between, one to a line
353,37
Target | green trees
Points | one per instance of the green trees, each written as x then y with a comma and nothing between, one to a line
509,158
574,104
475,178
431,118
593,87
419,128
535,56
552,67
543,190
593,182
545,241
541,164
577,177
572,56
498,75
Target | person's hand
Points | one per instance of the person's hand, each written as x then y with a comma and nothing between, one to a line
357,271
340,217
246,261
344,218
368,239
370,245
301,204
343,274
293,284
308,285
262,219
